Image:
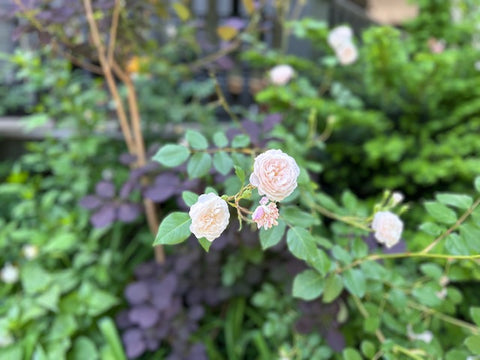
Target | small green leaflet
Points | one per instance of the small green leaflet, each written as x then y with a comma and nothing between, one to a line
174,229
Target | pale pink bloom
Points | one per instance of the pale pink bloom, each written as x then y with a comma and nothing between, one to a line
281,74
339,36
436,46
209,216
347,53
265,215
388,228
275,174
30,251
9,273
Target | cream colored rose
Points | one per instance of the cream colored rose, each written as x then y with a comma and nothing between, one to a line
347,53
281,74
340,35
388,228
275,174
209,216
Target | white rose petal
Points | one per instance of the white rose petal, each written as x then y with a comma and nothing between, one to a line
347,53
9,274
30,251
209,216
340,35
281,74
275,174
397,198
388,228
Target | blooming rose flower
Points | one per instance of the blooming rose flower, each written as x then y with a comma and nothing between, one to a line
340,35
347,53
388,228
209,216
9,273
281,74
275,174
265,215
30,251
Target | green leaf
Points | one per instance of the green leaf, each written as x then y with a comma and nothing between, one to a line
34,278
240,141
296,217
49,299
475,314
300,243
432,228
174,229
189,197
476,183
196,140
455,200
456,245
199,165
109,332
341,254
272,237
240,173
320,261
308,285
227,33
205,244
97,301
432,270
473,344
359,248
354,281
219,139
222,162
441,213
181,10
61,242
172,155
333,288
351,354
368,349
84,348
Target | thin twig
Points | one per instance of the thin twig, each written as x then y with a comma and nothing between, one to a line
113,31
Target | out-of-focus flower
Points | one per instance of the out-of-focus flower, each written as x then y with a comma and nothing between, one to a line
30,251
397,198
171,30
9,273
281,74
266,215
388,228
426,336
436,46
209,216
477,65
347,53
5,339
339,36
275,174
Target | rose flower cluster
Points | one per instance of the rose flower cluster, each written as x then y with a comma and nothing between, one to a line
275,177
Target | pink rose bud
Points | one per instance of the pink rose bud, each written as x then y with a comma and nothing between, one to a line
275,174
388,228
209,216
281,74
266,215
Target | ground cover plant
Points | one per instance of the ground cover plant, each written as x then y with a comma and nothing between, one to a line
336,217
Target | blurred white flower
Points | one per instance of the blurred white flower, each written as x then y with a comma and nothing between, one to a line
397,198
5,339
426,336
388,228
442,294
347,53
477,65
9,273
281,74
209,216
339,36
171,30
30,251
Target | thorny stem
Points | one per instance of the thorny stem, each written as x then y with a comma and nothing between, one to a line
459,222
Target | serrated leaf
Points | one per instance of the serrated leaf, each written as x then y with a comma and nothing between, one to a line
300,243
432,228
333,288
199,165
196,140
341,254
240,174
456,245
473,344
272,237
222,162
227,33
296,217
171,155
456,200
220,140
308,285
320,261
189,197
181,10
354,282
174,229
368,349
441,213
205,244
240,141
